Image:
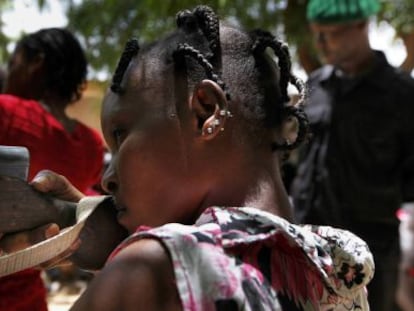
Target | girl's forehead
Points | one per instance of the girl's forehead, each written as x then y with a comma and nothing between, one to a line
132,106
144,86
146,75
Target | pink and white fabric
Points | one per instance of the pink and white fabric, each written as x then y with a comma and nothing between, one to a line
246,259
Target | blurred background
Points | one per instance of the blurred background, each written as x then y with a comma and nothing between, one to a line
103,28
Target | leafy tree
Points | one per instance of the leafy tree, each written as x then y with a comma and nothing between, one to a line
105,25
298,34
399,14
3,39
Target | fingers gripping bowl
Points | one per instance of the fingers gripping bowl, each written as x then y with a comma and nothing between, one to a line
22,208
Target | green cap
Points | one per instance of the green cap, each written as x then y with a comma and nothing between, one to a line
340,11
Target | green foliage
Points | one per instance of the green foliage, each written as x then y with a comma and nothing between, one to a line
4,40
4,4
105,25
399,13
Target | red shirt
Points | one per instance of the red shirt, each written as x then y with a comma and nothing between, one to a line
77,155
23,291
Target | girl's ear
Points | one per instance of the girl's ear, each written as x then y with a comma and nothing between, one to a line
209,106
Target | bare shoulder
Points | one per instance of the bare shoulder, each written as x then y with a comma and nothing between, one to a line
140,275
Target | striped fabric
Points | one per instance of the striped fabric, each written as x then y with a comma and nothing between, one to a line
340,11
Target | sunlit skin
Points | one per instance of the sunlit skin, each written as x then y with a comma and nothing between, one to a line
159,151
345,45
150,170
167,168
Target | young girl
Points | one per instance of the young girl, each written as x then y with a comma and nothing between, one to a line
195,123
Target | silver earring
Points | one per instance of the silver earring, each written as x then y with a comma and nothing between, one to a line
216,122
225,113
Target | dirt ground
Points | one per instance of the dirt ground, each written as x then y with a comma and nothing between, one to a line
88,109
61,302
62,296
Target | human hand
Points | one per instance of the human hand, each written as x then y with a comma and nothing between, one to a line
22,241
56,185
99,236
22,208
13,242
101,232
61,193
89,251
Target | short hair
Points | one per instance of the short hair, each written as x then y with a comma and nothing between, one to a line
237,60
64,59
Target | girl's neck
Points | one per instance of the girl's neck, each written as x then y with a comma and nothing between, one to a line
271,196
258,184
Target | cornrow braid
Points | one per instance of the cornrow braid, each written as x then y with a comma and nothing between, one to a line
210,26
303,128
186,20
298,112
184,49
131,49
264,39
204,21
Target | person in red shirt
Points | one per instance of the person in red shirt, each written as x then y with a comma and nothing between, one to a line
46,73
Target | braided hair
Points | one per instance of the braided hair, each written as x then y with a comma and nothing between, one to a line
64,59
238,61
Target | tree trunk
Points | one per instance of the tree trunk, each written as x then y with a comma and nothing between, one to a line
307,59
408,63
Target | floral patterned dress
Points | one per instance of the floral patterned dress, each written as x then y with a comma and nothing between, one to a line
247,259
